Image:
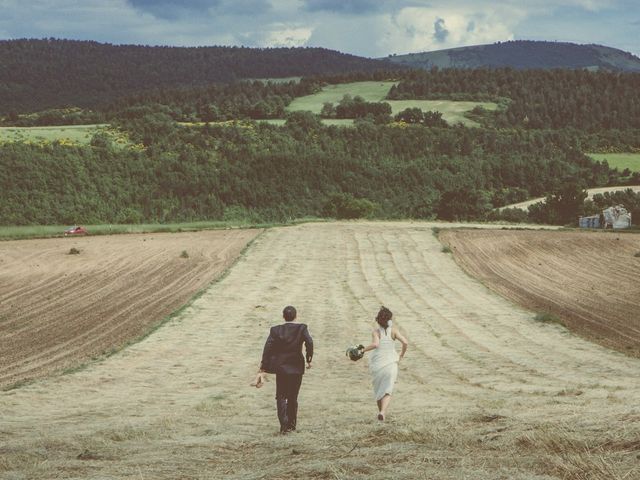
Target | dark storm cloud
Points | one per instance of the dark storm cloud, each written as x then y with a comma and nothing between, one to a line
441,32
172,9
344,6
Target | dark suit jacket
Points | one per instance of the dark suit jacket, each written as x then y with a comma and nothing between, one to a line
283,349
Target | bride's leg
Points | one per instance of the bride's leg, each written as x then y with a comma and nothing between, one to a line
384,404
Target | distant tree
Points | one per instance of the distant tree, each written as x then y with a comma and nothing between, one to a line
410,115
562,206
304,121
328,110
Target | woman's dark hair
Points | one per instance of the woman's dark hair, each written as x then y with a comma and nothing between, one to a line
383,317
289,313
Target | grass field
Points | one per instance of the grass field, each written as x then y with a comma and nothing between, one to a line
452,111
42,231
370,91
339,122
275,80
65,134
45,231
78,134
619,160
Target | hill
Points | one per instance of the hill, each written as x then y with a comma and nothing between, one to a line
524,54
40,74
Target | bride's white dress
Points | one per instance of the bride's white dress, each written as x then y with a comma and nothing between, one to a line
383,364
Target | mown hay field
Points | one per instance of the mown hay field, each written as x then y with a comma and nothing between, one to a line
485,391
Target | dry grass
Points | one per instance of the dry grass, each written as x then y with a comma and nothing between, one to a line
484,393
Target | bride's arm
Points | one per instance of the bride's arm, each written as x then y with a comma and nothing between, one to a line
398,336
375,341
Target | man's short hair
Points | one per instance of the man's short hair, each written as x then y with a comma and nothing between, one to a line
289,313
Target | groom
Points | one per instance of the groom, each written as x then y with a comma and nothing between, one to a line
282,355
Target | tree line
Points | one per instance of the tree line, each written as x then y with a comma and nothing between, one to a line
267,173
51,73
534,99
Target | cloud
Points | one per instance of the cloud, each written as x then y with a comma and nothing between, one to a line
177,9
372,28
277,35
172,9
441,32
418,29
344,6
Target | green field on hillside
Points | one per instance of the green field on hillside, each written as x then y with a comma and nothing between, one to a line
276,80
370,91
619,160
65,134
76,134
339,122
452,111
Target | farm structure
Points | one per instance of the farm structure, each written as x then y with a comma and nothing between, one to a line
616,217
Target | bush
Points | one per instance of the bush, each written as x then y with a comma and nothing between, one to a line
74,251
513,215
345,206
184,254
545,317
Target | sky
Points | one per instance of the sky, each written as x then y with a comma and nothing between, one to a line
371,28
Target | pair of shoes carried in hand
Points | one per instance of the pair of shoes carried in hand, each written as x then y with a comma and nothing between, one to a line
259,381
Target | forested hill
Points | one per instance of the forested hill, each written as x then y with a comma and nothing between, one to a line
523,54
40,74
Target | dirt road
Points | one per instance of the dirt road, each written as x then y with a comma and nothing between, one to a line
590,193
484,392
59,310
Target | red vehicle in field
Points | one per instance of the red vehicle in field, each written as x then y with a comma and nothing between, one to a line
75,230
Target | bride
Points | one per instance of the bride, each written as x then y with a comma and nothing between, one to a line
383,363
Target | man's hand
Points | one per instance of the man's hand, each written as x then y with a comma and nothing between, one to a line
308,365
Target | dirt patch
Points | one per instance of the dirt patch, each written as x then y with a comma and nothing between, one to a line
59,310
587,281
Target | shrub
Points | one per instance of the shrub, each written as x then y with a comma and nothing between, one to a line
546,317
513,215
74,251
345,206
184,254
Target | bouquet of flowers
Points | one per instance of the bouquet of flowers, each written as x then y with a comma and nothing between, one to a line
355,352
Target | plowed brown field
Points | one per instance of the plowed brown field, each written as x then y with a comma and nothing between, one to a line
589,280
58,310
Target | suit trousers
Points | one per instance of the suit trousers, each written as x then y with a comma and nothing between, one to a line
287,388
